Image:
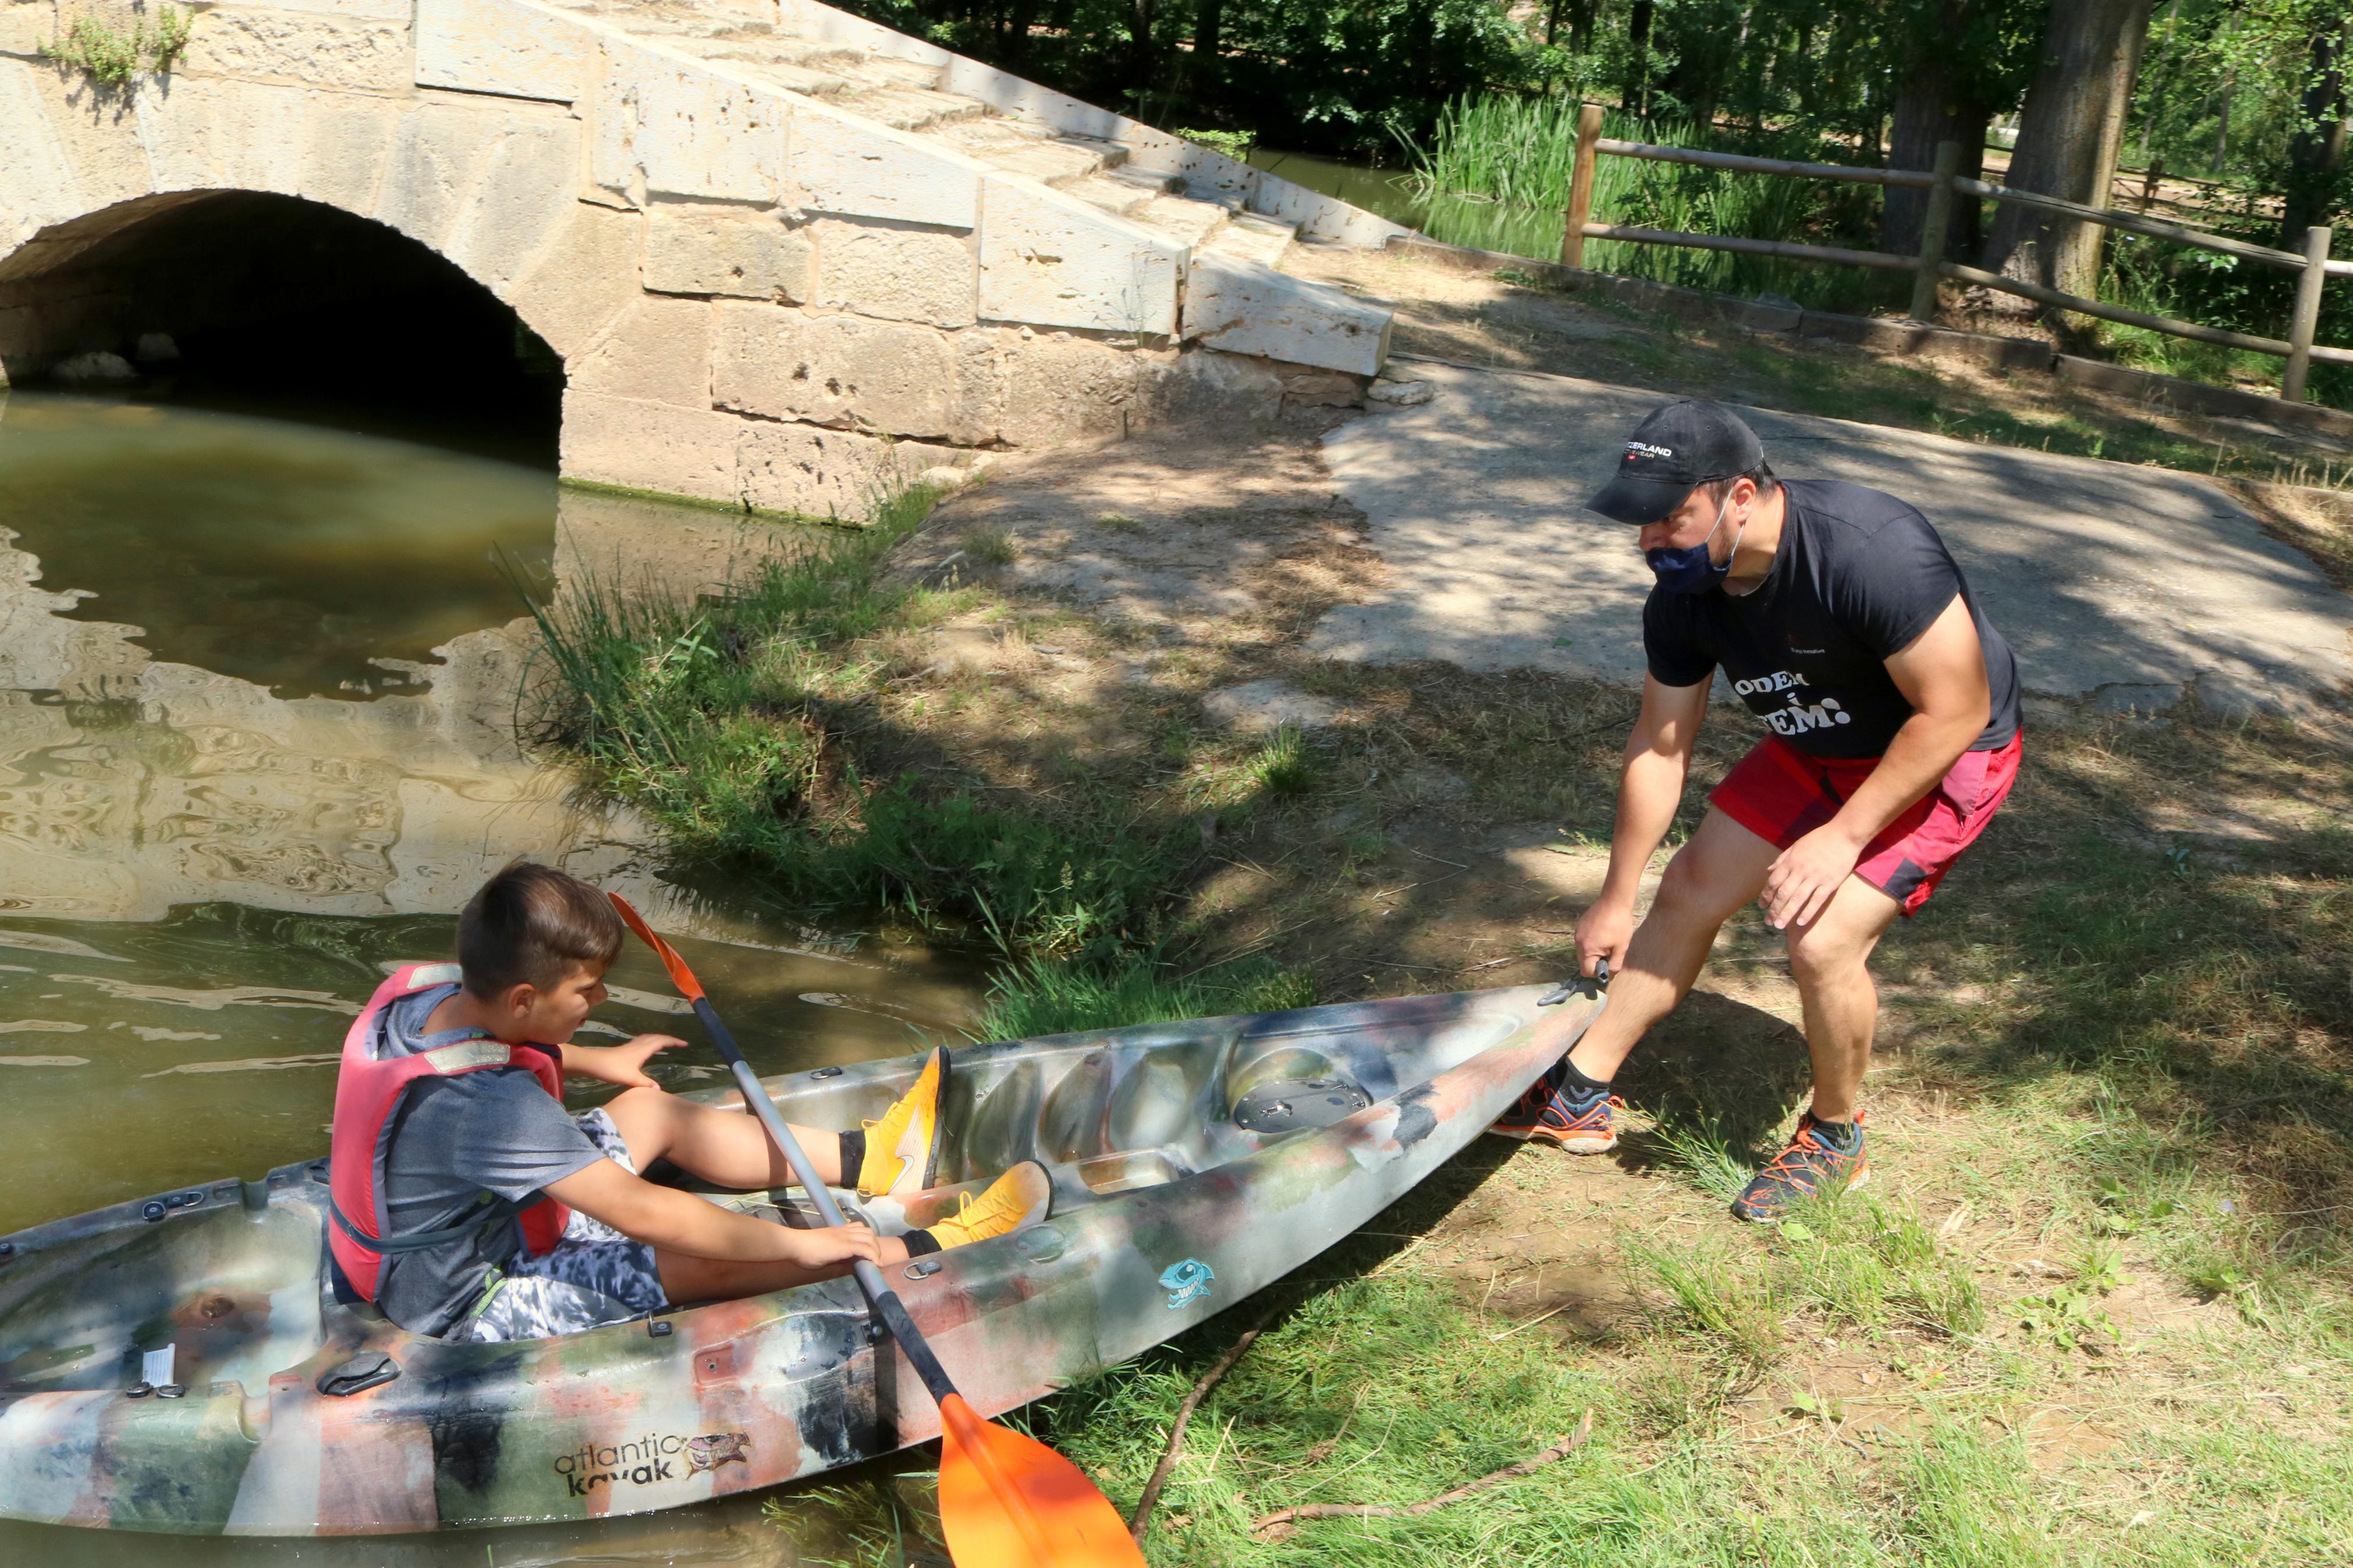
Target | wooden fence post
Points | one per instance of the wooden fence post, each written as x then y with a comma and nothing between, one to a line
1580,186
1934,228
2307,314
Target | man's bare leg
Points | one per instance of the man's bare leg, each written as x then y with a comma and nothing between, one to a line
1721,867
1830,960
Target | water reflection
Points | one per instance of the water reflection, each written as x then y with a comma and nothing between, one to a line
258,683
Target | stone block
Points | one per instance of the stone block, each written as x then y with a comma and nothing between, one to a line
1240,307
900,272
346,140
651,447
437,154
313,50
523,193
839,475
1049,259
380,10
98,130
726,250
854,168
675,126
1944,345
496,46
891,376
36,181
1060,388
587,275
657,351
1879,333
1305,386
1757,316
1202,385
25,27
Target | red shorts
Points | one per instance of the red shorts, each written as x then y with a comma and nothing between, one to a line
1780,795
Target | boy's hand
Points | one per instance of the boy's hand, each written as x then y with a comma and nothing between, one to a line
837,1244
624,1064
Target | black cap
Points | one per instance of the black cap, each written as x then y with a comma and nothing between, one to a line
1678,447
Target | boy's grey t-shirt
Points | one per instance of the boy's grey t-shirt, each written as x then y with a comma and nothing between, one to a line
453,1139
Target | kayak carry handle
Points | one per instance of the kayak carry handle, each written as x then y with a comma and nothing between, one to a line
1580,986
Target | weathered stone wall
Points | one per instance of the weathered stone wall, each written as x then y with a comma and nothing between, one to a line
760,299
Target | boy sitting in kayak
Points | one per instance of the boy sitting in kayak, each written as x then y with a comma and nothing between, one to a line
470,1204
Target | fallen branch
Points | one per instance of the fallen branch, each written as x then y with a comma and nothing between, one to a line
1209,1380
1282,1522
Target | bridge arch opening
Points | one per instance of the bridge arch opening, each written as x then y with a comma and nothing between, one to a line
271,304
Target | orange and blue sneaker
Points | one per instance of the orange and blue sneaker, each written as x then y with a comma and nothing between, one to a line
1552,1112
1824,1158
903,1150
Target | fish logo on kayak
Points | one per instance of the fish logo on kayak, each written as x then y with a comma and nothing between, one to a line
720,1449
1185,1282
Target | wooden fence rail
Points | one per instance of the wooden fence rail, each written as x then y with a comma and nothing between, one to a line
1944,184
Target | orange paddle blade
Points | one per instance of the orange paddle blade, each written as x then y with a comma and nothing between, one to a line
1009,1502
679,975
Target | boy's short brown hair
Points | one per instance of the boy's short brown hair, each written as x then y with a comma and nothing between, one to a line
533,925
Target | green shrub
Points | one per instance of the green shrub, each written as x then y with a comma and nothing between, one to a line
113,57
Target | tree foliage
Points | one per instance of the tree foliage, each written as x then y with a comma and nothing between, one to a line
2225,90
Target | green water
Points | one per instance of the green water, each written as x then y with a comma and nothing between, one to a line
257,692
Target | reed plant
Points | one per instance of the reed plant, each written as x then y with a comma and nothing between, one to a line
726,721
1496,172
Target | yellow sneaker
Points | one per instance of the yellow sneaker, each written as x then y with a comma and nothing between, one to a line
1017,1199
903,1150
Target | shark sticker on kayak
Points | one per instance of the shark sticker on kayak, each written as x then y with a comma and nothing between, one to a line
1185,1282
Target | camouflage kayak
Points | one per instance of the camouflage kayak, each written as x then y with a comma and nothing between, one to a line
181,1365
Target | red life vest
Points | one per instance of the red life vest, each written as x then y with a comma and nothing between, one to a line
368,1090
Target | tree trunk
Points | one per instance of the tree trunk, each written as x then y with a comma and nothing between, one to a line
2164,77
1140,62
1636,94
2068,137
1580,27
1932,108
1024,14
2315,158
1208,39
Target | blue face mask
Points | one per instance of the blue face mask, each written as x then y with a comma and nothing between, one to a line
1691,570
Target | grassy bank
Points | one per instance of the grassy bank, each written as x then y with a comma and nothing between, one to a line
2096,1306
2096,1309
750,727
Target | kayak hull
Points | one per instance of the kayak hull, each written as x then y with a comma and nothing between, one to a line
1190,1170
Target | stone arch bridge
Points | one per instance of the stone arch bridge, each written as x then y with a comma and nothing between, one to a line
780,250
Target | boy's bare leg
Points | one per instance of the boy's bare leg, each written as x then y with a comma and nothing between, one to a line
1721,867
686,1280
723,1147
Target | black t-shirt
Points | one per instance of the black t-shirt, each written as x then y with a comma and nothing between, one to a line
1859,576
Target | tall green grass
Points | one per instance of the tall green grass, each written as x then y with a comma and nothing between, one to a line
1055,996
727,721
1496,175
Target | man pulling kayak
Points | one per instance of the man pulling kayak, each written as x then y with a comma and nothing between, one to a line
1842,622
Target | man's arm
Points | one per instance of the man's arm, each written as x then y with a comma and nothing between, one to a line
1650,789
680,1222
1942,674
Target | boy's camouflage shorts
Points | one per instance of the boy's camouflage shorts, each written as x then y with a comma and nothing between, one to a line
595,1274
